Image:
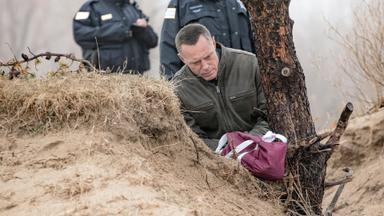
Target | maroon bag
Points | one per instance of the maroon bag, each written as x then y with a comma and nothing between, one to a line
262,156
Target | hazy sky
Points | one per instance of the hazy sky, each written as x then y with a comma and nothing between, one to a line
320,55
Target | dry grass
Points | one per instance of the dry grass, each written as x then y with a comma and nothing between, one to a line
139,105
70,188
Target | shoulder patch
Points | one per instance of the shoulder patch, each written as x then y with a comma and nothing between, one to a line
170,13
107,16
82,15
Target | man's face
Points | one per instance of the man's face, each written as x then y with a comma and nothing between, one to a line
201,58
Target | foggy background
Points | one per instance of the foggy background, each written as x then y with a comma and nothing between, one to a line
46,25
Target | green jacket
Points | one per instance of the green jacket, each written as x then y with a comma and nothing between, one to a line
236,103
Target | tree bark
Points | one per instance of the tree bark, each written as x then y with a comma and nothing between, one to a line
287,102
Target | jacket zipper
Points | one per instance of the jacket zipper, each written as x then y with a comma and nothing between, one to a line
222,109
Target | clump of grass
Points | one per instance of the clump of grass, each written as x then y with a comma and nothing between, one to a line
70,188
109,102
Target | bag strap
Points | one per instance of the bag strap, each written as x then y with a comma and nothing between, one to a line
239,148
244,153
222,142
270,137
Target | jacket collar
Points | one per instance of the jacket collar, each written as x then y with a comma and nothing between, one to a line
223,60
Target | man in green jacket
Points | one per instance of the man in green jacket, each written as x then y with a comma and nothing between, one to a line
219,87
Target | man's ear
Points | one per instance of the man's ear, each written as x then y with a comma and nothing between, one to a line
181,57
213,40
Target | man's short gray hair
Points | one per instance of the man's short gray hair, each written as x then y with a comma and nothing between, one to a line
190,34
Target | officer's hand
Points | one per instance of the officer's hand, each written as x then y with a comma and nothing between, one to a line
141,23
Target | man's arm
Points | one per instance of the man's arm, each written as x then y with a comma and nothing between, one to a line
87,28
192,124
170,62
211,143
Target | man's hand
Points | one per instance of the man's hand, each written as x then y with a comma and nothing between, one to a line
211,143
141,23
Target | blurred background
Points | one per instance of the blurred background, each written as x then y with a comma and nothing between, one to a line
320,31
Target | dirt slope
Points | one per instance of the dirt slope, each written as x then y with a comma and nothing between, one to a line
362,149
116,145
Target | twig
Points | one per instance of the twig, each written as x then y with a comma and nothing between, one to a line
321,151
335,135
304,143
98,52
341,124
343,205
196,150
206,180
328,146
13,53
232,202
331,207
49,54
345,179
29,50
288,183
319,137
338,182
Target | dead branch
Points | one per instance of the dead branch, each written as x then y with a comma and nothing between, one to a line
328,146
48,56
341,206
319,151
331,207
335,135
309,141
206,180
319,137
341,126
345,179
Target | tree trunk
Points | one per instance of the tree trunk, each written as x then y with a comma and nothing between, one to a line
287,102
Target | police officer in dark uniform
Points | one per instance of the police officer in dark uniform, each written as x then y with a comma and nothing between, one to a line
114,35
227,20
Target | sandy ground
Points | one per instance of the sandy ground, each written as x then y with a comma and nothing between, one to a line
89,144
95,173
361,148
118,145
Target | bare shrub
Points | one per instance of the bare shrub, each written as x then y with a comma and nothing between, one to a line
363,60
